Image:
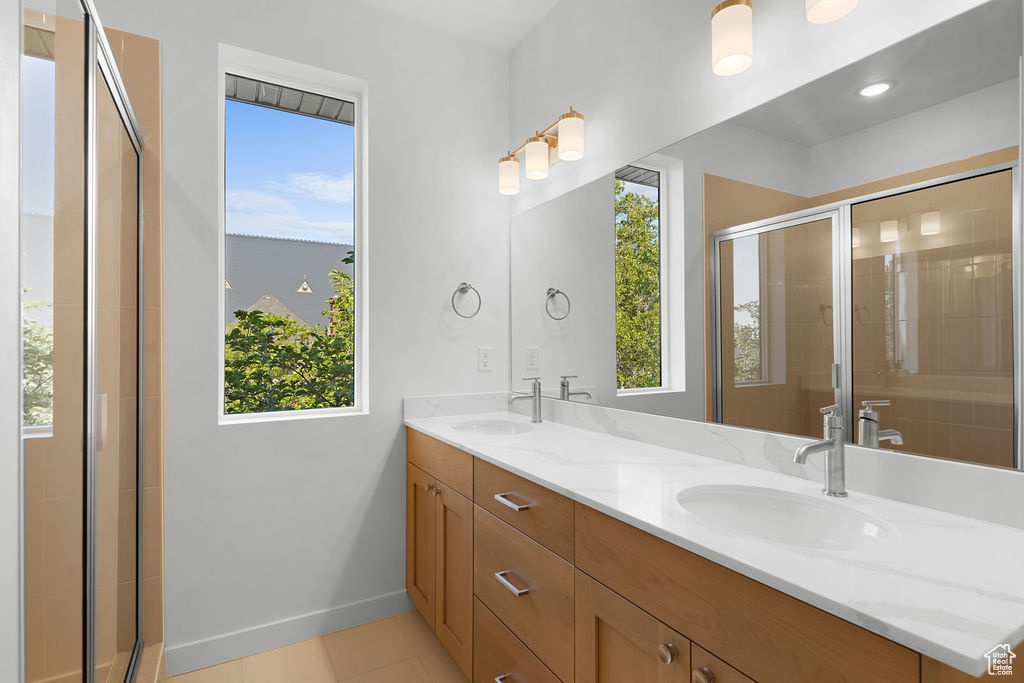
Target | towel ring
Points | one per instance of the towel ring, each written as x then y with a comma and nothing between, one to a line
552,293
464,288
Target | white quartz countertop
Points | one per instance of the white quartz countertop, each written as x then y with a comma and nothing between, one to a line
948,586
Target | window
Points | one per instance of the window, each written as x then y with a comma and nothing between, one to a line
748,350
38,76
291,273
638,279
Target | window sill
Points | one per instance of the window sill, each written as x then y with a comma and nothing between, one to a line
622,393
37,432
289,415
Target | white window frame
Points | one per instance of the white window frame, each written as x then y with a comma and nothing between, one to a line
664,244
242,62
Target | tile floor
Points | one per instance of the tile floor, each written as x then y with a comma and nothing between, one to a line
399,649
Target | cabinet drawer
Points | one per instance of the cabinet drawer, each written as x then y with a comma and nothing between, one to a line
708,668
765,633
441,461
528,587
543,515
497,652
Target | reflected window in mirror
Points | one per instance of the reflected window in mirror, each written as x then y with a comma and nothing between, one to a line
639,309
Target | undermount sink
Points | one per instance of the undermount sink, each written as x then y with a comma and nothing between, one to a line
493,427
785,517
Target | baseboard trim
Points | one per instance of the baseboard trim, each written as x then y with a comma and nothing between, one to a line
200,654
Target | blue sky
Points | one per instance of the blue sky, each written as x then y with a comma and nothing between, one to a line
287,175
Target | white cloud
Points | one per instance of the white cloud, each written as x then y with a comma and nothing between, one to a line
326,188
250,212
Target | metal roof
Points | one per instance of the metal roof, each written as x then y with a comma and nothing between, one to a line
283,98
640,176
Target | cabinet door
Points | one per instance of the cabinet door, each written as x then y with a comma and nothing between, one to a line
453,609
617,642
420,541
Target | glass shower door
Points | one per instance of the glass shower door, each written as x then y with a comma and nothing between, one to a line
932,319
776,337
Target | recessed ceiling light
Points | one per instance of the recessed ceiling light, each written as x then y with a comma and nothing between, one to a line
875,89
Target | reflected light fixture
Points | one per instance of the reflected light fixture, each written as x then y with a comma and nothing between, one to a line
564,135
732,37
889,231
825,11
537,158
874,89
856,237
931,223
508,175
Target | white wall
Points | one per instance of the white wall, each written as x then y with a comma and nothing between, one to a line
11,519
982,121
283,530
640,72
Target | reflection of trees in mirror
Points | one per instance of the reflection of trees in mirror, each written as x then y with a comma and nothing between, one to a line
747,340
37,338
274,362
637,290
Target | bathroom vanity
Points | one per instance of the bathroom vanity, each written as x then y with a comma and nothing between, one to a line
547,552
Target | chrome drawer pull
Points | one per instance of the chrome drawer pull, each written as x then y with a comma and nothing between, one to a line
667,653
518,592
500,497
502,677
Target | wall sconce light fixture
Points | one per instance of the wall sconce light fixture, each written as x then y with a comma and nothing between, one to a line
565,136
889,231
732,37
931,223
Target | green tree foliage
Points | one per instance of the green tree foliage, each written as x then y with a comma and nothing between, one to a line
637,290
274,362
747,339
37,377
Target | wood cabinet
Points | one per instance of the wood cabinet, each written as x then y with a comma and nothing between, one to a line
543,515
499,655
618,641
528,587
439,545
524,585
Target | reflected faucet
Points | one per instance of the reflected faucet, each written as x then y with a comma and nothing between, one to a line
835,453
870,435
533,395
565,394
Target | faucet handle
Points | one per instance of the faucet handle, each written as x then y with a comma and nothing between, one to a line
531,379
830,410
570,376
872,404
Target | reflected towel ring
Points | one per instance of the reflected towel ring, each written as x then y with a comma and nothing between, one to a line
552,293
464,288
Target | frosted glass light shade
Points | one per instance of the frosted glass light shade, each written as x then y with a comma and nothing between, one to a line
824,11
931,223
536,158
570,136
889,231
732,37
508,175
856,237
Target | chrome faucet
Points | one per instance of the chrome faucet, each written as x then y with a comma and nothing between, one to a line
835,453
533,395
870,435
565,394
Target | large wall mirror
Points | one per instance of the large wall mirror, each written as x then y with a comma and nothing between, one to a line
855,240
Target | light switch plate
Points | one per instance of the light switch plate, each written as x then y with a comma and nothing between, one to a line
483,358
533,358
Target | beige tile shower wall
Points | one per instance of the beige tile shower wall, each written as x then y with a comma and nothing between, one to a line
933,331
53,465
138,58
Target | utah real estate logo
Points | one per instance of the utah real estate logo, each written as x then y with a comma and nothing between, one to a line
1000,660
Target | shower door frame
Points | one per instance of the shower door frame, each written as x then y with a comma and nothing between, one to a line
842,287
99,55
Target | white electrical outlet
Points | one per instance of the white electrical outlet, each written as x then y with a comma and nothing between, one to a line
533,358
483,358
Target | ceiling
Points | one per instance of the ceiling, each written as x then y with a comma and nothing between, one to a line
499,24
972,51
